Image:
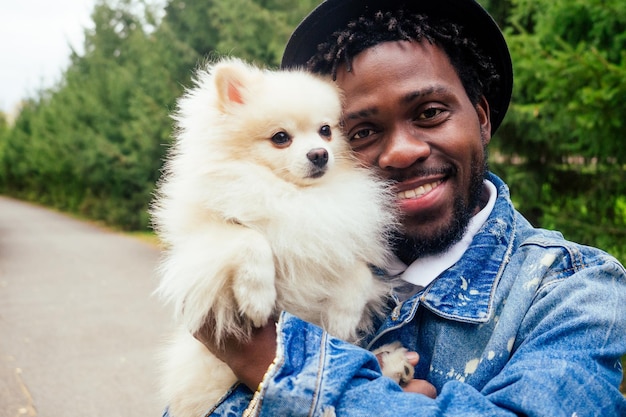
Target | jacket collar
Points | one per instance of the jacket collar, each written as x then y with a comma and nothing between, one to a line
464,292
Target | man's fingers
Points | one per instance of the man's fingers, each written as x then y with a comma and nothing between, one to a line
421,386
412,357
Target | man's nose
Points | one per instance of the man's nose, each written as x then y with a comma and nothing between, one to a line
403,148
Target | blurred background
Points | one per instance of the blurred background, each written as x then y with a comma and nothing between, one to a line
84,127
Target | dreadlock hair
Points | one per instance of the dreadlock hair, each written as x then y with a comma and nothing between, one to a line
474,68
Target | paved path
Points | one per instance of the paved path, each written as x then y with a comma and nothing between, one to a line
79,329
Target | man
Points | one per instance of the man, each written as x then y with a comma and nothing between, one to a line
506,319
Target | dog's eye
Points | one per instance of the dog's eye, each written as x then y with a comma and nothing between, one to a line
325,131
281,139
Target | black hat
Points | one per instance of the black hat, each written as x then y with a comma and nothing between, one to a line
334,15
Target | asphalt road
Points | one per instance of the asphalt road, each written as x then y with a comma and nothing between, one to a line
79,328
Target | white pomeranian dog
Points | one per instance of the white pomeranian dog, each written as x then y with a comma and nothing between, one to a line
262,208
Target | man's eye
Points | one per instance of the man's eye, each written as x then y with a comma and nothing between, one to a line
430,113
361,134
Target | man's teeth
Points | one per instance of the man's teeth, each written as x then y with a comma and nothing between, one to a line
419,191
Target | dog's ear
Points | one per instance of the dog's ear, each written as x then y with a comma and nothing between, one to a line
231,80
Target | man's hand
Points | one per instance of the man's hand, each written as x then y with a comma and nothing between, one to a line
248,359
421,386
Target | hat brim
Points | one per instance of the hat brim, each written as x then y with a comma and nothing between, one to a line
334,15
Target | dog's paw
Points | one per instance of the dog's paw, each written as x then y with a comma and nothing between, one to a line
394,364
254,289
257,305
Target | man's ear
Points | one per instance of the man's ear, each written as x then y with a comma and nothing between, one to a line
484,119
231,78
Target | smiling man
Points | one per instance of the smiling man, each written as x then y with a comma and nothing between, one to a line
507,319
423,133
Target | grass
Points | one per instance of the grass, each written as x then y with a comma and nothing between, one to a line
146,236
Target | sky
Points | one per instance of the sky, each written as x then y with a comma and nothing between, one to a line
35,39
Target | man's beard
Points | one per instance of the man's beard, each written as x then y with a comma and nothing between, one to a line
410,248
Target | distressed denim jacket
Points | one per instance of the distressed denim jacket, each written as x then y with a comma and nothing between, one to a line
525,323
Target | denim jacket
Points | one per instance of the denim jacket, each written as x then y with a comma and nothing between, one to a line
525,323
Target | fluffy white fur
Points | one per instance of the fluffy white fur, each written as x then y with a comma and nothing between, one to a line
253,226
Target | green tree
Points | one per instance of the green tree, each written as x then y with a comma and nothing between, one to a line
560,145
94,143
4,135
256,30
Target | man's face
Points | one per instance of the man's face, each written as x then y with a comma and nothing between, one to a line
407,114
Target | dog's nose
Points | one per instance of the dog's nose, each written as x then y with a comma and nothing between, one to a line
318,156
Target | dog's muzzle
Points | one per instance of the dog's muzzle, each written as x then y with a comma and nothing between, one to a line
318,156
